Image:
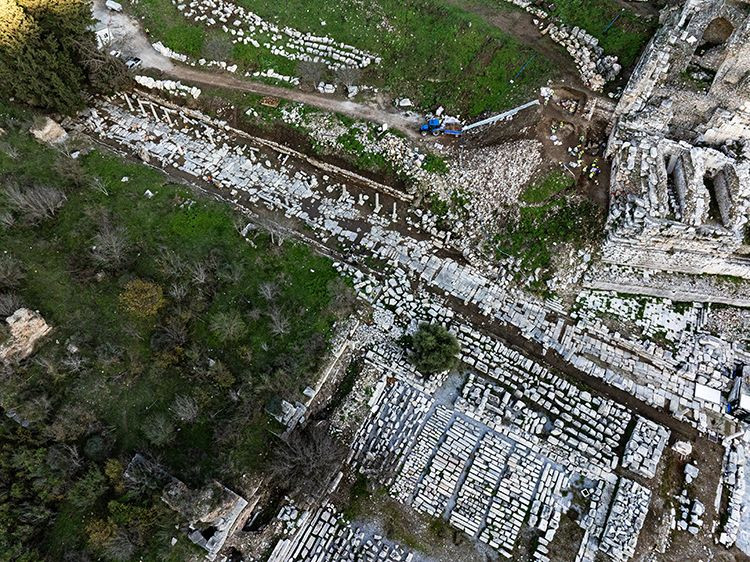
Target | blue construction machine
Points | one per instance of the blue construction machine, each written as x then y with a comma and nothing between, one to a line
436,127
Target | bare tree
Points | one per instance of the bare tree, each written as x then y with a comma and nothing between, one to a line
110,246
307,461
171,263
279,322
11,271
119,547
343,297
9,303
70,169
268,290
311,72
98,184
185,408
9,150
228,326
7,220
231,273
73,363
159,430
217,47
35,410
348,75
171,334
177,291
35,203
199,273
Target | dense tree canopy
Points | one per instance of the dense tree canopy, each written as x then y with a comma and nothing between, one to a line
48,54
433,349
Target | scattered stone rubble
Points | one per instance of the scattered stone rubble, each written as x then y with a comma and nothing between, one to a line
645,447
367,217
653,316
596,67
680,190
691,514
488,181
26,329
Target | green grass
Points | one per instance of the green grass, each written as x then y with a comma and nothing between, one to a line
625,38
546,187
537,232
435,164
433,52
186,39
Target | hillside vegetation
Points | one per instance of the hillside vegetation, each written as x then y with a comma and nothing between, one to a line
172,336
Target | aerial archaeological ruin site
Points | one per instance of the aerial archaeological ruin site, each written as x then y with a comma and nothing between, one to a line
416,280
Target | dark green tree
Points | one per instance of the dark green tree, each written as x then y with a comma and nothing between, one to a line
433,349
48,54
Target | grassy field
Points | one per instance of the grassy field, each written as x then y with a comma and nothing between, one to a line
188,310
432,52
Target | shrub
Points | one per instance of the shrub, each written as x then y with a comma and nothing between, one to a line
228,326
159,430
35,203
185,408
11,272
142,299
9,303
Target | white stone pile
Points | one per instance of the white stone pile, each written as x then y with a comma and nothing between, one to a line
247,28
594,520
733,477
175,88
271,73
691,514
436,490
323,535
653,316
478,491
512,500
645,447
626,517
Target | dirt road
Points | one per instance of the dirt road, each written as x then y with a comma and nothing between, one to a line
394,120
132,41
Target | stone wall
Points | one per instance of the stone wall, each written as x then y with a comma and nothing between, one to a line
680,147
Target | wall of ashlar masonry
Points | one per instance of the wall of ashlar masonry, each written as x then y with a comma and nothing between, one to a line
680,198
